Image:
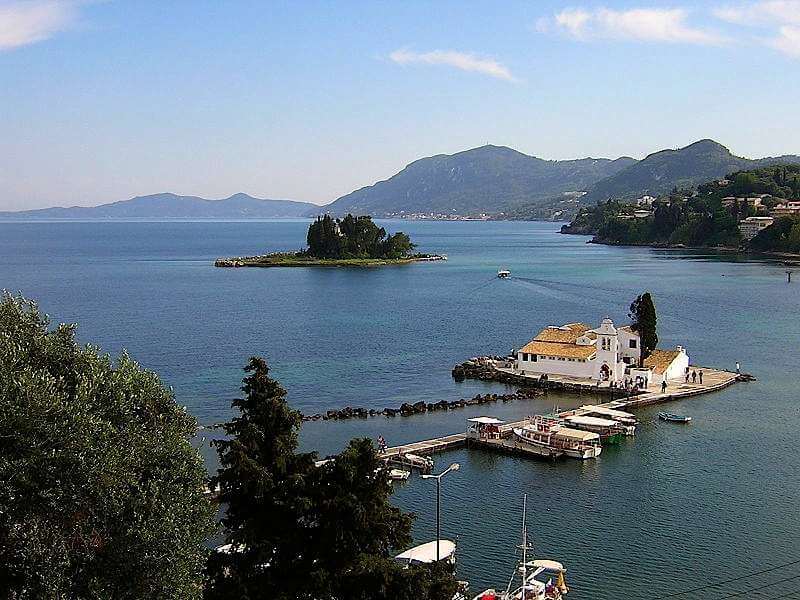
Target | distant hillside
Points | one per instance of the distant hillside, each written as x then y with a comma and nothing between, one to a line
172,206
658,173
488,179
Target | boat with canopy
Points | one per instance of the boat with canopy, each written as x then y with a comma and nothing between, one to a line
538,579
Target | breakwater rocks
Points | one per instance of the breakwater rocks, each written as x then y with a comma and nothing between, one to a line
407,409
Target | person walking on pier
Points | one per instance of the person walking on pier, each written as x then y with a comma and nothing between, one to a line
381,444
737,367
663,385
701,377
687,375
694,376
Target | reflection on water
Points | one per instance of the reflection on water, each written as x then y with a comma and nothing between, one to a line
675,504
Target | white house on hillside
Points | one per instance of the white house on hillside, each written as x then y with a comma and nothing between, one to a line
605,353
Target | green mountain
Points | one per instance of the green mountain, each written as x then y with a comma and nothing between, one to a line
658,173
489,179
172,206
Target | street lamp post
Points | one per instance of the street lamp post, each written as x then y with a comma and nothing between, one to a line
438,478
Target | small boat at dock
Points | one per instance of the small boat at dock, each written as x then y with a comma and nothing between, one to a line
504,273
426,553
413,461
609,430
399,474
673,418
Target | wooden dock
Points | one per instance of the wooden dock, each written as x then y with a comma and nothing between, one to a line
713,380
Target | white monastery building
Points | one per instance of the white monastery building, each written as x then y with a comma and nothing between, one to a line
605,354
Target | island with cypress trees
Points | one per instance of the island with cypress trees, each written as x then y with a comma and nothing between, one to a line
347,242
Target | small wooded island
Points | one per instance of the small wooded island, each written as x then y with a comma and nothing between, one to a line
348,242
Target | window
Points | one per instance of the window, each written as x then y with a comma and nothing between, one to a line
632,343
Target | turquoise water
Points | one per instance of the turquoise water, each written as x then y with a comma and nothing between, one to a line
671,509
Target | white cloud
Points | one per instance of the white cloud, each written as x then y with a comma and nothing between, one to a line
782,17
787,41
460,60
761,13
637,24
24,22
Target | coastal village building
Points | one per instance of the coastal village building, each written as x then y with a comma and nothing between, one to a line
750,226
788,209
604,354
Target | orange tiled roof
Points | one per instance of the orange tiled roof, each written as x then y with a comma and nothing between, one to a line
660,360
559,349
562,335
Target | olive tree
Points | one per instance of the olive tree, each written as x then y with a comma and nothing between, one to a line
101,492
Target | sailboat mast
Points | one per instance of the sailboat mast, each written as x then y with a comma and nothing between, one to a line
524,546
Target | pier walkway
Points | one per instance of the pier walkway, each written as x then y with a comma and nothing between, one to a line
713,380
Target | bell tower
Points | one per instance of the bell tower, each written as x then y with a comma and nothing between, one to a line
606,363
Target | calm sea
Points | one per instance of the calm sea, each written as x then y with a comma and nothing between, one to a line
670,510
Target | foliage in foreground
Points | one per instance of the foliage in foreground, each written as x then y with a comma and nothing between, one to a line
101,493
782,236
298,531
354,237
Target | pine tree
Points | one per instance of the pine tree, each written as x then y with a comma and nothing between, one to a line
304,532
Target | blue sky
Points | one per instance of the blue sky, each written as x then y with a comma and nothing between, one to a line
104,100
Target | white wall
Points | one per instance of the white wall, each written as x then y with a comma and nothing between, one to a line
677,370
573,368
625,349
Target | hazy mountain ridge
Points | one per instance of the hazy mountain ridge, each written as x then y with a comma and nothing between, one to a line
661,171
493,180
173,206
487,179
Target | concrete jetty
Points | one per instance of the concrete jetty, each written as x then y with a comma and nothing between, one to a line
713,380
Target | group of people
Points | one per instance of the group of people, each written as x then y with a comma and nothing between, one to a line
694,375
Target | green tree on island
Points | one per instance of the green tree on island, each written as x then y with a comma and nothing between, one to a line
300,531
354,237
101,493
644,322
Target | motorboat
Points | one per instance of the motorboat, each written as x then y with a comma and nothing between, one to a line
399,474
673,418
504,273
538,579
610,430
426,553
620,416
548,432
410,461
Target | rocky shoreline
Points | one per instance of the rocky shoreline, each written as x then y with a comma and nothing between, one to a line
407,409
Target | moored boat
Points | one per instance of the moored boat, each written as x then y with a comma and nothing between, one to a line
673,418
609,430
399,474
620,416
427,553
550,433
539,579
504,273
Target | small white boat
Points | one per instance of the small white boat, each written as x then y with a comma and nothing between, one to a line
413,461
399,474
426,553
504,273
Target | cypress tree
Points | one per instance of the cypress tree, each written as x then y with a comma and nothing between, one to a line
644,322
